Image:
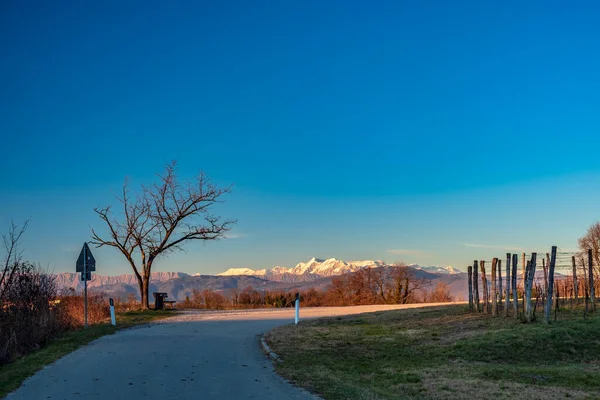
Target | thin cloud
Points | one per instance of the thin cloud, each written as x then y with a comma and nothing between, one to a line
405,252
233,235
497,247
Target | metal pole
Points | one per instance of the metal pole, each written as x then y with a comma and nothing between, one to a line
85,305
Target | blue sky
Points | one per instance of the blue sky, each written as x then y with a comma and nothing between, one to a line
430,132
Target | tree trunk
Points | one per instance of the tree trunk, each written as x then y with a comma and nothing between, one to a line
144,284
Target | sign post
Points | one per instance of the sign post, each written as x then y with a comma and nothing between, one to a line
85,264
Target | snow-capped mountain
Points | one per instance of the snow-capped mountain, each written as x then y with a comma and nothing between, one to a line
438,270
313,269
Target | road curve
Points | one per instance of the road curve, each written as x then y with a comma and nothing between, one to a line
195,355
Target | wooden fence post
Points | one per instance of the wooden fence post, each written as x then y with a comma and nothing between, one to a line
524,267
494,296
544,267
475,286
507,289
484,285
515,294
575,283
547,267
470,274
500,293
591,279
530,277
525,290
550,285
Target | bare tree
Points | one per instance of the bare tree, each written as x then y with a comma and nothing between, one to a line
12,256
160,220
405,285
591,240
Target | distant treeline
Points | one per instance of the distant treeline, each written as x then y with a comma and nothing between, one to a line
391,285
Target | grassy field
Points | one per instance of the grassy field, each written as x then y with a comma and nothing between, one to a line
13,374
441,353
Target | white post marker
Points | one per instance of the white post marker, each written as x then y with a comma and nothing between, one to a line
113,320
297,308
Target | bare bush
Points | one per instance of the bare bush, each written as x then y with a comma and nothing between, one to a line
70,307
27,316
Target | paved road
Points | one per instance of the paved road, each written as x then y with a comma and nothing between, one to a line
196,355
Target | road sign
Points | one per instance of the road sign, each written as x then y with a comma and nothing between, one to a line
90,261
86,263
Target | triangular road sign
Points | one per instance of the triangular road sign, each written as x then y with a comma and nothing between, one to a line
90,262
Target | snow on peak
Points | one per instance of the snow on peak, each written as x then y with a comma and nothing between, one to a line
238,271
316,267
438,270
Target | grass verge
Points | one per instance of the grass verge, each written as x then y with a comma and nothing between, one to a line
14,373
441,353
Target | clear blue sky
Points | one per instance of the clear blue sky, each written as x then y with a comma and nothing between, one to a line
429,132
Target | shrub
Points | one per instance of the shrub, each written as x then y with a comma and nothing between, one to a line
27,316
70,307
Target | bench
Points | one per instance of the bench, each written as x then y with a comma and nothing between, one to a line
170,303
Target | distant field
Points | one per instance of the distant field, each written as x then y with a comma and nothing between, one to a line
441,353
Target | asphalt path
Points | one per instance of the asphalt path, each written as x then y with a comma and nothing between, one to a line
194,355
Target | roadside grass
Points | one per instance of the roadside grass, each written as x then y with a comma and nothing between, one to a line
14,373
441,353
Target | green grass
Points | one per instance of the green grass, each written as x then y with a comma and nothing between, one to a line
14,373
441,352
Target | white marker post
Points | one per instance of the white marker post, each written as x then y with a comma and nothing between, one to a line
113,320
297,308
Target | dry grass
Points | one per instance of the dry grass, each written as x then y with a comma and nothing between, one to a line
441,353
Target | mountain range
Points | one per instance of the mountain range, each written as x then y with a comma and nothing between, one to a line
317,268
316,273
